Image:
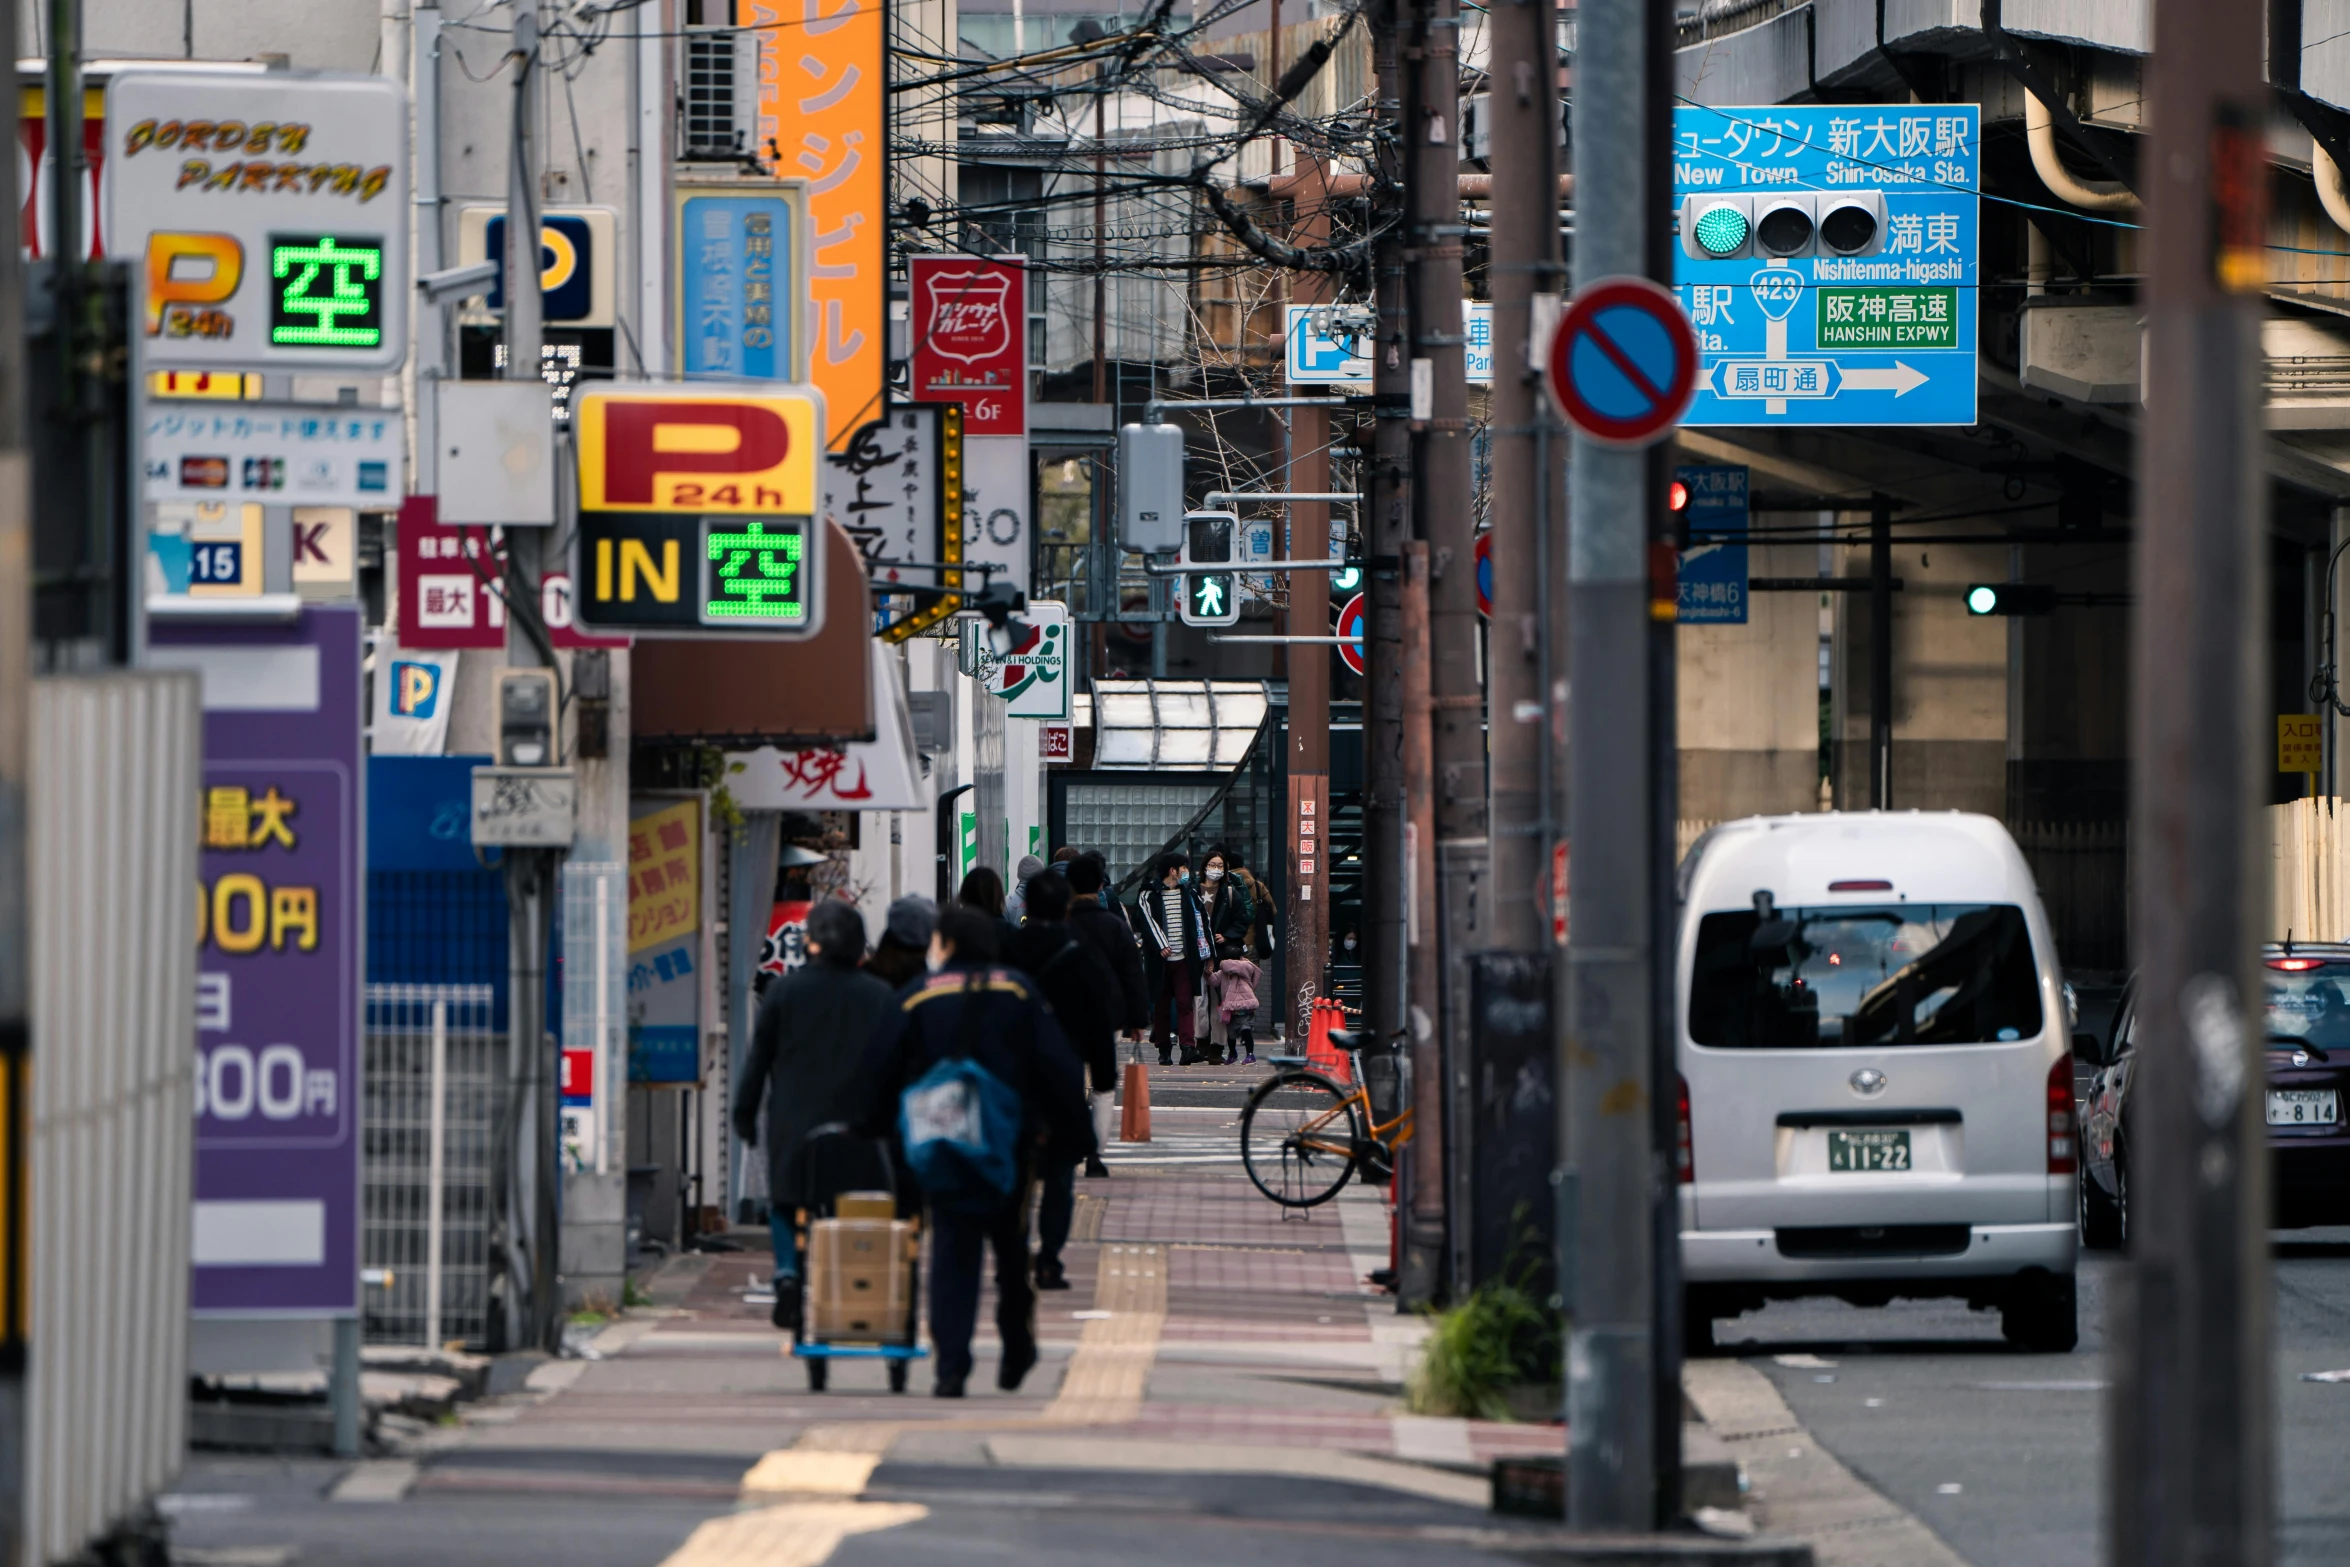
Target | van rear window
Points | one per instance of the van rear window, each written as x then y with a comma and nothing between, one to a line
1900,974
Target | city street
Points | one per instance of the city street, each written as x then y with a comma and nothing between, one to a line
1247,1411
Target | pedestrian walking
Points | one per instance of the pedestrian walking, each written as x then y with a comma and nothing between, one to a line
1232,918
901,955
983,890
805,1056
1086,1002
1178,929
1268,913
1235,989
993,1085
1016,900
1107,931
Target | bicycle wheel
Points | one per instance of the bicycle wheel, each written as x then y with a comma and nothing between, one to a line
1298,1134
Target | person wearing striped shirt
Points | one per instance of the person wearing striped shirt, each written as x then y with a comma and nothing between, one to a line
1178,926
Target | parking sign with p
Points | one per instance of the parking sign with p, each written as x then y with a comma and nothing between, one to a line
697,509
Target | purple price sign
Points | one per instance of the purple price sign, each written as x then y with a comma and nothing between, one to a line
278,982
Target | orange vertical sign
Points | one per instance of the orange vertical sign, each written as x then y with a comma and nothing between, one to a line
821,96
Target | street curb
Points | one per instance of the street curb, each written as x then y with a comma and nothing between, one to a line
1650,1550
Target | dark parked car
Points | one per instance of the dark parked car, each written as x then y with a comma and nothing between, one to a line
2308,1013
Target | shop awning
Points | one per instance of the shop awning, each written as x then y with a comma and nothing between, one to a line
881,774
752,692
1173,725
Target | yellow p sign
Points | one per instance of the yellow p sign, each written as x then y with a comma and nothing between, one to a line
190,270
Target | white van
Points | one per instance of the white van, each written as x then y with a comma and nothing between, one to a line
1876,1072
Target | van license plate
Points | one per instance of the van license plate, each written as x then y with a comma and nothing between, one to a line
2304,1107
1860,1151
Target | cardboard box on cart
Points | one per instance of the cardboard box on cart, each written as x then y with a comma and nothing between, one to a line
861,1280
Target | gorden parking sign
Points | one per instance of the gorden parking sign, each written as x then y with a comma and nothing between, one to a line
697,509
265,217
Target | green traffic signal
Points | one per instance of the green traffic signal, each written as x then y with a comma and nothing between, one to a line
1721,230
2010,598
1982,599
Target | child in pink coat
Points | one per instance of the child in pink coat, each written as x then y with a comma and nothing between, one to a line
1235,985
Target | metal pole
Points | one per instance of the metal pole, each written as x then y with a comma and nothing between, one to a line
525,327
603,1068
1101,242
435,1173
432,322
1880,653
1423,1252
2191,1467
1621,1458
1388,524
1523,105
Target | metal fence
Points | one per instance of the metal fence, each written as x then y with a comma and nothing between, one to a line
436,1085
115,778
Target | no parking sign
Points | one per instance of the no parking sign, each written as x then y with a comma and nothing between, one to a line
1624,363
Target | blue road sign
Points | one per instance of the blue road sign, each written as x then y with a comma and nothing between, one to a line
1315,360
1713,568
1827,259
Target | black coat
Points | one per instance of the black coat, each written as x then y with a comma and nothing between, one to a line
1082,991
1108,933
1014,1036
806,1048
1232,914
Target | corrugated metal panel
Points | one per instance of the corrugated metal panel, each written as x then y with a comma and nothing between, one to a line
1770,63
2106,24
114,793
2325,51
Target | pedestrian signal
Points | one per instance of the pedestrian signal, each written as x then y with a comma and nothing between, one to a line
1209,599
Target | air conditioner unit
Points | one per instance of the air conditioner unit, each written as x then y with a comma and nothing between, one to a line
721,95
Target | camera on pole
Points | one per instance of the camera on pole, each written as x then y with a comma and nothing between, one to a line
1210,598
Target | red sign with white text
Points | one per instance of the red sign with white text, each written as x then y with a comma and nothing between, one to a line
970,325
453,587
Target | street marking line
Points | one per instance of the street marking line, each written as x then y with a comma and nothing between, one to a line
376,1480
802,1535
810,1472
1111,1368
1806,1494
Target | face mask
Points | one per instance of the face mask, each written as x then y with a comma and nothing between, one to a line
1183,878
1350,943
933,962
1215,873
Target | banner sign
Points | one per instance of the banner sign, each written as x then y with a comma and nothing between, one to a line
277,991
664,941
450,582
276,453
739,279
893,490
1032,681
823,82
970,329
413,692
271,213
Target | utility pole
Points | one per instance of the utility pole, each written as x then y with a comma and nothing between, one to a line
2191,1467
1522,108
1101,255
1618,1207
1307,937
16,1043
1444,517
531,1223
1389,522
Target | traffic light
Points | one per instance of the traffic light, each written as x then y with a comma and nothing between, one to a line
1209,599
2010,598
1779,224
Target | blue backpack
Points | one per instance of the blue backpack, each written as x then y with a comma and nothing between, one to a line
960,1124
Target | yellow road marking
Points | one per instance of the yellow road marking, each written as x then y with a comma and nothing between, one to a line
1111,1369
803,1535
810,1472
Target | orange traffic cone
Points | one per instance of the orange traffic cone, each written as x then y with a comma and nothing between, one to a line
1134,1114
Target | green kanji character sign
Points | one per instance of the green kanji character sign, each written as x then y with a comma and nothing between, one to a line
326,291
755,572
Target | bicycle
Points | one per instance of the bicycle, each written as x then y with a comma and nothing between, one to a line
1301,1135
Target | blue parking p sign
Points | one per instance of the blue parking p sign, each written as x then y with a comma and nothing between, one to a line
1713,567
1827,258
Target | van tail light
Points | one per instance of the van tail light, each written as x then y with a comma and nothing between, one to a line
2063,1140
1687,1159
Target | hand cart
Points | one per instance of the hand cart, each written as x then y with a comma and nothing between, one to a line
832,1169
